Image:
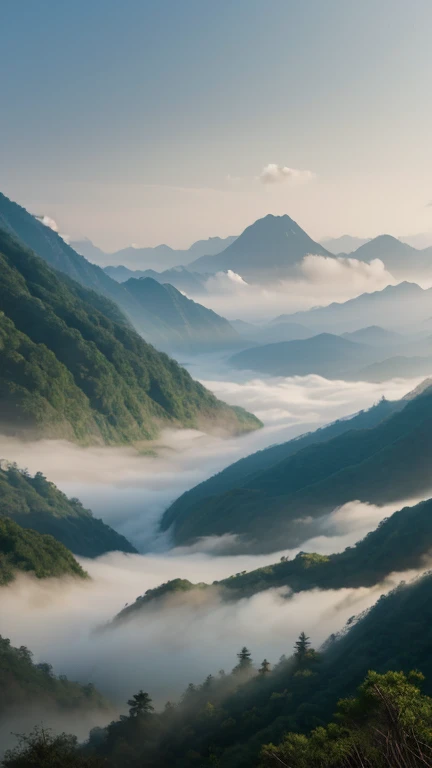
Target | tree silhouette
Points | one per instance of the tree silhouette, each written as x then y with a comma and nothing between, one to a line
302,646
244,660
140,704
264,668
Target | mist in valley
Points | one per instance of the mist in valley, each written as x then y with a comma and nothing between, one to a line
166,648
130,489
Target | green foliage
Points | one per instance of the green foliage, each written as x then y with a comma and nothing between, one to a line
30,552
41,749
388,724
24,684
68,368
34,502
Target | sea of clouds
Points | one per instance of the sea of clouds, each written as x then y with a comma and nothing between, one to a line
165,649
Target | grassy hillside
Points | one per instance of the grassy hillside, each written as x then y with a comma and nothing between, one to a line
35,503
31,552
241,474
68,369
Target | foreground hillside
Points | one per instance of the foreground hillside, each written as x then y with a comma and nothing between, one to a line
26,551
69,369
35,503
227,719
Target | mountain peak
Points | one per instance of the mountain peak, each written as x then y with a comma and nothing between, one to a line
272,245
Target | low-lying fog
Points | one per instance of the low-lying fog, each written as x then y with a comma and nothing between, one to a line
130,491
162,654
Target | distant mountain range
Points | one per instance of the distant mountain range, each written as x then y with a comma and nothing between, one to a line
369,354
72,367
270,249
281,505
396,255
325,354
396,307
159,258
348,244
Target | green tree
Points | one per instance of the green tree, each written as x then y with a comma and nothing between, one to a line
140,705
388,724
41,749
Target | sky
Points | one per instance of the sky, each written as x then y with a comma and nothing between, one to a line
156,121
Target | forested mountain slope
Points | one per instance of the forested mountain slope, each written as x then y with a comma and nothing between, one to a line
26,551
227,719
26,685
400,543
241,473
385,463
68,369
35,503
135,303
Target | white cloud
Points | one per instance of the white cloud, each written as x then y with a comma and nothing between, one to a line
277,174
319,280
347,272
226,282
47,221
57,618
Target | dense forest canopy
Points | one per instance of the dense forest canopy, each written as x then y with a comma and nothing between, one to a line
69,369
26,551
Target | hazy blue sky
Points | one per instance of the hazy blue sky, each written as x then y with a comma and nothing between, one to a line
138,121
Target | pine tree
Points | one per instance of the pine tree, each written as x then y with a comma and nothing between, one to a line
302,646
244,660
140,704
264,668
